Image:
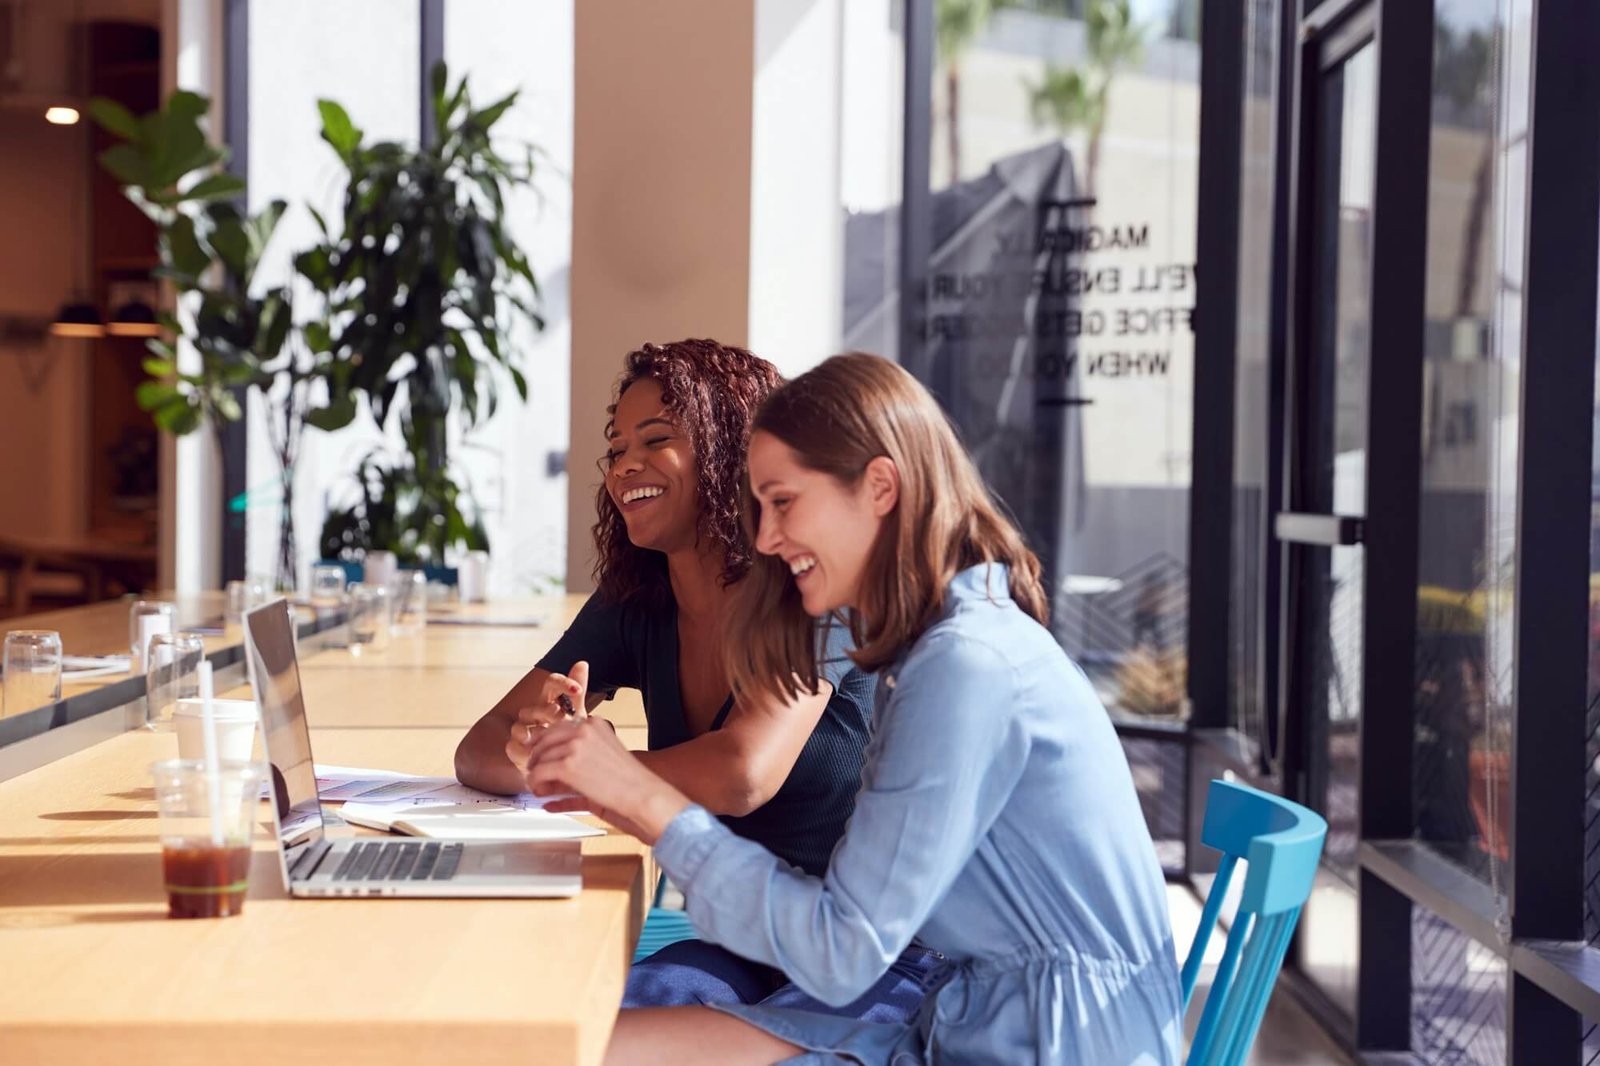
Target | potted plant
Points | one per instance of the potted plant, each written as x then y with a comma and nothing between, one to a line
419,283
210,249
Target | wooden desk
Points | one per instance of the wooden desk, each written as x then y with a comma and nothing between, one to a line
93,968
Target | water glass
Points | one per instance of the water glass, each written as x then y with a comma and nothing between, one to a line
32,664
172,673
369,618
146,618
327,586
473,577
409,604
238,602
379,568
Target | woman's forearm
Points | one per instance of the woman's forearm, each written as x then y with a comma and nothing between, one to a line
481,758
712,770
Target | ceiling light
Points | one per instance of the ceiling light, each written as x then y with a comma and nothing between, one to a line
61,116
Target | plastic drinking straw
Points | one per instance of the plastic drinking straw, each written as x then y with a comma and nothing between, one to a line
208,729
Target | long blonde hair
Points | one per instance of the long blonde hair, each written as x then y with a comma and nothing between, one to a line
837,418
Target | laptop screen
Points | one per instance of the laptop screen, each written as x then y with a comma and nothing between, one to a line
275,676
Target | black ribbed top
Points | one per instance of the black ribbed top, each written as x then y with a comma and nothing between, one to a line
635,645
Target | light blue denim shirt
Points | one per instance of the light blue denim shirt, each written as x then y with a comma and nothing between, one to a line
998,824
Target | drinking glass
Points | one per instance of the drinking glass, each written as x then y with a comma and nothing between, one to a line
409,605
327,586
172,673
32,664
238,602
369,618
146,618
379,568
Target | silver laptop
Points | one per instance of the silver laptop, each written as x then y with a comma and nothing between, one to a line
314,865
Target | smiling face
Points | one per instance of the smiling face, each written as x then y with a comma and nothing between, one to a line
650,471
823,529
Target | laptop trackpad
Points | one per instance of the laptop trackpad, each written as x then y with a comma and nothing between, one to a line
521,859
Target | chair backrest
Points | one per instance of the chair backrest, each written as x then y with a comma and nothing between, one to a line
1281,842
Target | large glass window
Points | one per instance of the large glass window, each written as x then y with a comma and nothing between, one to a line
1477,158
516,461
1059,333
366,56
1248,649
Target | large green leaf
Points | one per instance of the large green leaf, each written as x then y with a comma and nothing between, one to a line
126,163
220,186
229,239
183,249
151,395
114,118
492,114
337,129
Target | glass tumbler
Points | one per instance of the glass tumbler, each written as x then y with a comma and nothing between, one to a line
172,673
409,605
327,586
369,618
146,618
32,663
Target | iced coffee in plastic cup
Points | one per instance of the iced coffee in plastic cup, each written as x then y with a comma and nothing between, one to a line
207,821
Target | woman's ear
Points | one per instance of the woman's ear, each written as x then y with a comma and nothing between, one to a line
881,480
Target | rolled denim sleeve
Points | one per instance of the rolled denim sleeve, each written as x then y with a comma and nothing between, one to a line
947,753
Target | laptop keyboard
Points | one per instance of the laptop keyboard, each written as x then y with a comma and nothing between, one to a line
399,860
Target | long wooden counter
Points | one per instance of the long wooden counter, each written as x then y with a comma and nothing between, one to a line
95,969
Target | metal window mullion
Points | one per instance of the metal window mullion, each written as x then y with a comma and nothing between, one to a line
234,437
430,51
1550,663
1222,38
1404,39
916,195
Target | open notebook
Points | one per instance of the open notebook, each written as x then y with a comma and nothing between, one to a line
496,819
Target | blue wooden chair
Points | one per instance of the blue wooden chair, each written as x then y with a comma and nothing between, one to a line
662,927
1282,842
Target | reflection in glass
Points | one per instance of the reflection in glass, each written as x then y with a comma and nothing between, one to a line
1059,329
1327,583
1248,645
1461,759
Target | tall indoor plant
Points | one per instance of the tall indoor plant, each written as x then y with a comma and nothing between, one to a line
209,250
420,283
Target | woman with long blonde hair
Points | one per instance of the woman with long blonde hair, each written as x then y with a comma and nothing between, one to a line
996,823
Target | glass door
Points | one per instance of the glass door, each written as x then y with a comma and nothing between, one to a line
1322,528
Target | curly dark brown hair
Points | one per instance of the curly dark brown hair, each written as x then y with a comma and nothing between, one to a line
713,391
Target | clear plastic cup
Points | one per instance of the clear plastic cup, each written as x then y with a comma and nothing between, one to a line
207,821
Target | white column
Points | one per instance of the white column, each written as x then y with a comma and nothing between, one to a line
191,482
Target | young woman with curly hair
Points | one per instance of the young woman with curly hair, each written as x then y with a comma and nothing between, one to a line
780,769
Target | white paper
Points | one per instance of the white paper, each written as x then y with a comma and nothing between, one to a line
388,787
485,818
